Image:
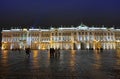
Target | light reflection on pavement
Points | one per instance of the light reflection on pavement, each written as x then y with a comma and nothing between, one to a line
70,64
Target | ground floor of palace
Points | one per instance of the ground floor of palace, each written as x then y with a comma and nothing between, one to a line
62,45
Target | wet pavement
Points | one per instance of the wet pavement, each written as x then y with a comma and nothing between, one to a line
70,64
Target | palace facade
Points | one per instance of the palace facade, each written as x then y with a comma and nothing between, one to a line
81,37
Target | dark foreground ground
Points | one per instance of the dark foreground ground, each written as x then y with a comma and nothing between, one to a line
71,64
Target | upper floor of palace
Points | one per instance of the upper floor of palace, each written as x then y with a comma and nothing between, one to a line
80,30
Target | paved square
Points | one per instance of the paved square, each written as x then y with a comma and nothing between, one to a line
70,64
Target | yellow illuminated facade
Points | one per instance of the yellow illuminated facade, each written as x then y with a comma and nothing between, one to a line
81,37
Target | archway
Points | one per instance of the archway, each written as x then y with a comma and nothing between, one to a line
83,45
98,45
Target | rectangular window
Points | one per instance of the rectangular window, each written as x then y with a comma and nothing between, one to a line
59,38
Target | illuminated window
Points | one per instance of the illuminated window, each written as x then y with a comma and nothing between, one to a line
56,33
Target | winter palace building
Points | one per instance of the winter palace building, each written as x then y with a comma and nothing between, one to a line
81,37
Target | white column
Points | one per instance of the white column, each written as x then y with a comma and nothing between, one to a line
11,46
80,45
87,45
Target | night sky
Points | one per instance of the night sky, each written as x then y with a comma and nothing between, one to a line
43,13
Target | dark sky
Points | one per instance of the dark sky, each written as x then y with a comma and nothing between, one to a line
59,12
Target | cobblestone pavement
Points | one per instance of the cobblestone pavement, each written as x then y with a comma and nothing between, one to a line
70,64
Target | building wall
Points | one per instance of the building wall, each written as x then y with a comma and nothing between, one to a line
81,37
